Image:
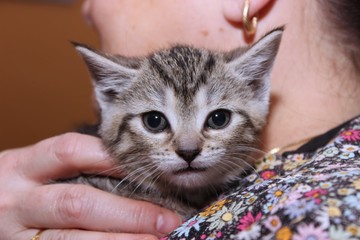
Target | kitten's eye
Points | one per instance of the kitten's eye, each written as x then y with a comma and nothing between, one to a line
155,121
218,119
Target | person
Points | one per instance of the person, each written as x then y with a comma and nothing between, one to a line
302,191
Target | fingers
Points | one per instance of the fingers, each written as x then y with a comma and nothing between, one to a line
62,206
26,204
63,156
83,235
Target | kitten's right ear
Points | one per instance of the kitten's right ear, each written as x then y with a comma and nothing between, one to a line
254,64
110,74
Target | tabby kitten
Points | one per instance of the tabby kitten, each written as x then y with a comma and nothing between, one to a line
182,122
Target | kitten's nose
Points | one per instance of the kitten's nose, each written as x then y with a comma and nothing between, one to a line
188,155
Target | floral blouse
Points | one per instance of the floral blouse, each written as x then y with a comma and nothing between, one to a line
311,193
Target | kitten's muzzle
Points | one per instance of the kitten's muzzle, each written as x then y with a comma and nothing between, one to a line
190,170
188,155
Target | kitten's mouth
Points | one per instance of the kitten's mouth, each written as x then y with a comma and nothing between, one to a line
189,170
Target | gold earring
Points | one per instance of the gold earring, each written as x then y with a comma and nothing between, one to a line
249,25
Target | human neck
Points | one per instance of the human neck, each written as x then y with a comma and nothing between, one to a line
311,92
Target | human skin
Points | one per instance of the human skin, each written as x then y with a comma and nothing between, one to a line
307,99
27,204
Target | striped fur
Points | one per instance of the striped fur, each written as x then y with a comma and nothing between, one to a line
186,85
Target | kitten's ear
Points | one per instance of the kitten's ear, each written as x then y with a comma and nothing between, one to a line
255,63
110,74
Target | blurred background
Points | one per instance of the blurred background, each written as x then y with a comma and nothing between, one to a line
44,86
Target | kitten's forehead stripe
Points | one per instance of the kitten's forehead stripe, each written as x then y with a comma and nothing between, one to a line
184,69
160,70
248,121
210,63
121,130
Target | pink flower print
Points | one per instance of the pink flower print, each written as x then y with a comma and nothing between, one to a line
247,221
273,223
315,194
268,174
297,157
351,135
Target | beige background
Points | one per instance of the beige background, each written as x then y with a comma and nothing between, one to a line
44,86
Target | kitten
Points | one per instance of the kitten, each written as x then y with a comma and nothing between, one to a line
182,122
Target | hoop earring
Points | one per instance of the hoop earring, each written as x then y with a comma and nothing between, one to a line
249,25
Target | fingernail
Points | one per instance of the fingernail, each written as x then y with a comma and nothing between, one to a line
167,222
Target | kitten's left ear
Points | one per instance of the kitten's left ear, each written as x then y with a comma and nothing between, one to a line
255,63
110,74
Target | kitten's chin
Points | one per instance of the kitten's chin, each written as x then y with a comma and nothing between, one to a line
191,178
189,170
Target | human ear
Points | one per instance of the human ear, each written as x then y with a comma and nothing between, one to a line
232,9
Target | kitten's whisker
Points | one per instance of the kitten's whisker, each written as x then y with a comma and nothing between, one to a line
237,176
225,168
144,170
115,169
241,153
243,162
132,174
149,173
250,149
154,180
247,148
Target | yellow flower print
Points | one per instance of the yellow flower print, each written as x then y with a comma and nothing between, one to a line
268,162
248,194
325,185
275,222
356,184
271,157
278,193
267,158
214,208
290,165
263,166
353,230
334,212
226,217
268,207
284,233
251,200
333,202
345,191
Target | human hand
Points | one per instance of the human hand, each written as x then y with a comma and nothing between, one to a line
66,211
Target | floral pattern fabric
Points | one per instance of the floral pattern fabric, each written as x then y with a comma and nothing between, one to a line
301,195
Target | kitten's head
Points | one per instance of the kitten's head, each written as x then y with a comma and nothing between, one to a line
184,116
